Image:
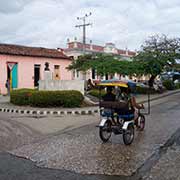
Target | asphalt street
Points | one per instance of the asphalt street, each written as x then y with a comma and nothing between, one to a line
79,153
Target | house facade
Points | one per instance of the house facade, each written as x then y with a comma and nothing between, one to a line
75,49
24,66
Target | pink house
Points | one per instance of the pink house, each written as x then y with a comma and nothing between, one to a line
24,66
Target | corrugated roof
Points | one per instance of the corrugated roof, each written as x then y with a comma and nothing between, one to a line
11,49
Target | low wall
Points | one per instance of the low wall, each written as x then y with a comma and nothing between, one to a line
54,85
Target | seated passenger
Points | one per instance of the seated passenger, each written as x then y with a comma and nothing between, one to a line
132,104
109,96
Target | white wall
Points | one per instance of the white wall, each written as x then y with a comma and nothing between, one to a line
54,85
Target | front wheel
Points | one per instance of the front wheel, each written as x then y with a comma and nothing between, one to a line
105,131
128,135
141,122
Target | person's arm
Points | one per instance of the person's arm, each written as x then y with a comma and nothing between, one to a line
135,104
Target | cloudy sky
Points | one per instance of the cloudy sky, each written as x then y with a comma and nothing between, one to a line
48,23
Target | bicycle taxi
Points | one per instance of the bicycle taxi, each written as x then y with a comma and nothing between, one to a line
115,117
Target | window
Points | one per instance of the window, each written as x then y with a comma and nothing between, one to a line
56,72
56,66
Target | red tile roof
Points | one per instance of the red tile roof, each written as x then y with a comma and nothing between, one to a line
88,46
79,45
31,51
131,53
120,51
98,48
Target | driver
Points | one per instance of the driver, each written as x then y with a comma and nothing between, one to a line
109,96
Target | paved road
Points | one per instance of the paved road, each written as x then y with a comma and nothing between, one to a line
17,130
81,151
14,134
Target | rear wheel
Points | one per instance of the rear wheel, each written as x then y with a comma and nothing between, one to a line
128,135
105,131
141,122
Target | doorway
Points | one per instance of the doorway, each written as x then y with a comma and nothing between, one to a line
36,75
12,74
106,76
93,74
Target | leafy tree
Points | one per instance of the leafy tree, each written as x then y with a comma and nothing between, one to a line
158,53
103,64
82,63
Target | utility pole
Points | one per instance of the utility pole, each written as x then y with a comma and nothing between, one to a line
84,25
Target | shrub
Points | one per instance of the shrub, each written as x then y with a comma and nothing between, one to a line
21,96
144,90
95,92
177,86
138,90
47,98
141,90
43,99
168,84
73,99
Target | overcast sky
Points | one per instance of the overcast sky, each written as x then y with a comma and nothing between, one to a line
48,23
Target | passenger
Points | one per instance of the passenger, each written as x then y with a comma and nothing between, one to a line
109,96
132,104
7,85
90,84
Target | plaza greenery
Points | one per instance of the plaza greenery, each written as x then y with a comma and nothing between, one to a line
21,97
97,93
138,90
157,54
168,84
68,98
177,86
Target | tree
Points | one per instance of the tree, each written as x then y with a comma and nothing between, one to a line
81,64
158,53
103,64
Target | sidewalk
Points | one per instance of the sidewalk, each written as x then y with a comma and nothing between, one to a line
6,106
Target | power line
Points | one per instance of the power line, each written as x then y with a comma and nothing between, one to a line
84,25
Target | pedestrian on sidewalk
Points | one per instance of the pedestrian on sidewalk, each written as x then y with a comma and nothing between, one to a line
7,85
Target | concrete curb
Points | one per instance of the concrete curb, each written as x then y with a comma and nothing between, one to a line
161,96
57,113
71,112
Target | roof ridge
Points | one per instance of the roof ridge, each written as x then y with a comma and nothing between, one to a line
101,46
14,49
26,46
